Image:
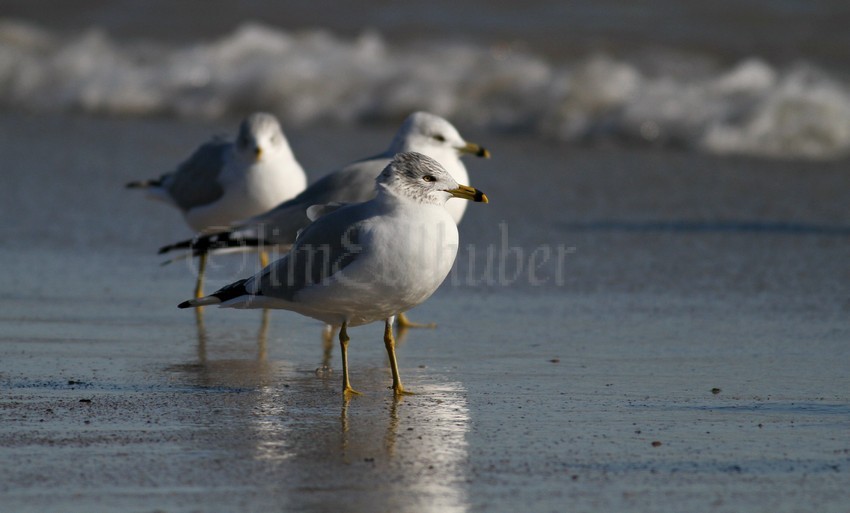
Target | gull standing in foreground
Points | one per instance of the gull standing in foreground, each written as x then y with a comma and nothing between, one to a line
364,262
223,182
421,132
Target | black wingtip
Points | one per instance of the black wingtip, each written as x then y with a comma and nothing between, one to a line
183,244
226,293
208,243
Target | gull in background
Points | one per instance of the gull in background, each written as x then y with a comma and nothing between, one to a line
223,182
364,262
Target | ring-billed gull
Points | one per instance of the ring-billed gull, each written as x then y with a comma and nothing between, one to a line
223,182
364,262
421,132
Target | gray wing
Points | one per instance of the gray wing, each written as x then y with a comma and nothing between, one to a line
195,182
324,248
354,183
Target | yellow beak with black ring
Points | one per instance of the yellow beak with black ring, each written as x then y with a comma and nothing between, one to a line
474,149
468,193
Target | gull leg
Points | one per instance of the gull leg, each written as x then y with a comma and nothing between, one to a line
264,259
199,285
343,342
404,323
389,342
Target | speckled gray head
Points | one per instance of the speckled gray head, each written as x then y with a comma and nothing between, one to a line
423,179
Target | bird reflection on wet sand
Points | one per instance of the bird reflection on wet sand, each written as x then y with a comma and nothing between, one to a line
203,336
293,423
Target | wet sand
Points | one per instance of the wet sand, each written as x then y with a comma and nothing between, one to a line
689,355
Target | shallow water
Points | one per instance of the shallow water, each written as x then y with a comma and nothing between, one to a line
747,77
687,353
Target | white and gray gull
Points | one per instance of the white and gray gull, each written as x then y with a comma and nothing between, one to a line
364,262
223,182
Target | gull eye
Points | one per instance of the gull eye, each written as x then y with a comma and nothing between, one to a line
440,138
429,178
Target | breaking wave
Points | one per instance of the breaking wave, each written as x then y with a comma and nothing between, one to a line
750,108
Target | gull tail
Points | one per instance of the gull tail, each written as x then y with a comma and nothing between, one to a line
226,293
208,243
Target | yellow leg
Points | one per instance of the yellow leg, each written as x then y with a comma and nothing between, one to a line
264,259
389,342
202,266
343,342
404,323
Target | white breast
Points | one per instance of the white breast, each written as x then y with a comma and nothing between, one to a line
402,263
249,192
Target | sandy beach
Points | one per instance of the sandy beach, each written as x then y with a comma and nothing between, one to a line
687,352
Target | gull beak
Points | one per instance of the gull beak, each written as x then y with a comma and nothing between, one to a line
469,193
258,153
474,149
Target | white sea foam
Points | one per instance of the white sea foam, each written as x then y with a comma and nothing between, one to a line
752,108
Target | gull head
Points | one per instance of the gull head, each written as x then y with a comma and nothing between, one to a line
430,134
260,135
422,179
